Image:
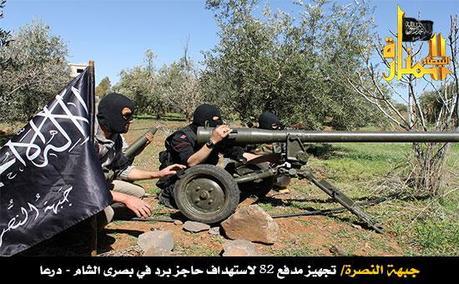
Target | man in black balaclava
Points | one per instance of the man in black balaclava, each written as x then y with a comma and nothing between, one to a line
182,147
268,120
115,113
182,143
207,115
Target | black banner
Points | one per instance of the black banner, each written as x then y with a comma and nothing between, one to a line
414,30
50,176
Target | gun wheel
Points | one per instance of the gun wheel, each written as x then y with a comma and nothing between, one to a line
206,193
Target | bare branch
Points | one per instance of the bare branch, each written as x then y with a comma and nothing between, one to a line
386,100
416,103
454,33
375,102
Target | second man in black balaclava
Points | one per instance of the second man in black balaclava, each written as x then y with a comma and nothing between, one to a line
115,113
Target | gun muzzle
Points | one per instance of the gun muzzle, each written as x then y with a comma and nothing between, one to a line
135,148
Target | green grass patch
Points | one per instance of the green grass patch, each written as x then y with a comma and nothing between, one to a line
170,116
196,250
363,161
438,237
303,250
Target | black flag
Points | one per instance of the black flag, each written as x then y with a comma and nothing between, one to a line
414,30
50,176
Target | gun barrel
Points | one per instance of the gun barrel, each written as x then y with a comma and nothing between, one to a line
243,136
135,148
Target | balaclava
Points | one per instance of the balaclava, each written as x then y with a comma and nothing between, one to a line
109,112
267,120
204,113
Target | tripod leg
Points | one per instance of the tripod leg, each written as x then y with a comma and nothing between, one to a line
342,199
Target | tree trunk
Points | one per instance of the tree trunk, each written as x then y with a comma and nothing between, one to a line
427,164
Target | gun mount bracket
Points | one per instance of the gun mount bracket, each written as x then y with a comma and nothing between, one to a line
295,151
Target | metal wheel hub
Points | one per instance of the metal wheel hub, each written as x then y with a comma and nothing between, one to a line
205,195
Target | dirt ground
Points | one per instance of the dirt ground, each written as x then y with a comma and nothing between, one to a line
305,235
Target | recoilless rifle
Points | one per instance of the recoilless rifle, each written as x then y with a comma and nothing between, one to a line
210,194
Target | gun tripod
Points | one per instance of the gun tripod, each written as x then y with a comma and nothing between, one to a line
338,196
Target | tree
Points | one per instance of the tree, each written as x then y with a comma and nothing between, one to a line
36,71
140,84
5,36
174,87
104,87
436,110
433,105
179,86
288,66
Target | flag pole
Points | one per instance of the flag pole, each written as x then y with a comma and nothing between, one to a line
93,219
92,92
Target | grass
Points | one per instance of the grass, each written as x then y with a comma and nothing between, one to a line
438,237
419,226
364,161
195,250
422,227
170,116
296,251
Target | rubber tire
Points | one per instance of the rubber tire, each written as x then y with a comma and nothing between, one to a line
217,174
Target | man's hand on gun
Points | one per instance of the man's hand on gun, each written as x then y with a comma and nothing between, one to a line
219,133
171,170
149,136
